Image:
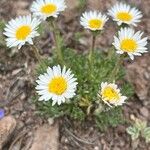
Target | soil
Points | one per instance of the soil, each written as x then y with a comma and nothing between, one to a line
17,81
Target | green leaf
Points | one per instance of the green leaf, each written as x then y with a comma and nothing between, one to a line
133,131
140,124
110,118
127,89
40,29
77,113
82,4
2,25
146,134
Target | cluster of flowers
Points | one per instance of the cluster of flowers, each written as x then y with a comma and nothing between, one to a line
59,84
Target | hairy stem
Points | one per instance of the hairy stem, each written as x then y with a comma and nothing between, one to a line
36,52
92,50
56,35
116,68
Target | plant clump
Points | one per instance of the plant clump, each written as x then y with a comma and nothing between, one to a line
80,85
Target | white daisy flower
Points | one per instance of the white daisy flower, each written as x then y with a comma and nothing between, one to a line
93,20
131,42
123,13
110,94
21,30
47,8
57,85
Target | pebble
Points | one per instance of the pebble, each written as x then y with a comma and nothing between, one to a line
83,41
144,112
64,140
121,129
15,72
23,96
29,121
46,138
7,127
96,148
146,75
20,124
51,121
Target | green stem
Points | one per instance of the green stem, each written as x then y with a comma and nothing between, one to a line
92,49
57,43
36,52
116,68
110,53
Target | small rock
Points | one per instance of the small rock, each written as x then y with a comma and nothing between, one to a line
138,75
15,72
71,12
96,148
7,126
29,121
19,106
73,4
122,143
116,148
23,115
64,140
144,111
22,4
83,41
121,129
22,12
20,125
23,96
100,4
46,138
21,8
147,75
148,68
51,121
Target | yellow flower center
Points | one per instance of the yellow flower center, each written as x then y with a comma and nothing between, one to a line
22,32
124,16
128,45
49,8
95,23
110,94
57,85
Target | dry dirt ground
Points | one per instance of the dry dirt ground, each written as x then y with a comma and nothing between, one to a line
17,86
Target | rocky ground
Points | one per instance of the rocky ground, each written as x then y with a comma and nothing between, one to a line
24,129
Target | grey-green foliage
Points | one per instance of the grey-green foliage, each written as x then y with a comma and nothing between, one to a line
139,128
134,132
41,29
82,4
89,79
2,25
146,134
112,117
